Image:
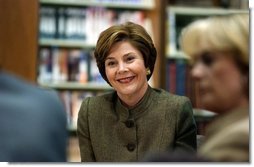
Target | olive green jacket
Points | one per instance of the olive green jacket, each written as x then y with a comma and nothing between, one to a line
108,131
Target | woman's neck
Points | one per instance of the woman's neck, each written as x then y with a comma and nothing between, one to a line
242,103
131,101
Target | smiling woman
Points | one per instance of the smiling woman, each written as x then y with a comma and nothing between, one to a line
134,119
126,71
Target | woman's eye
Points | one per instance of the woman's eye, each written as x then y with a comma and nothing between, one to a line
207,59
130,59
111,63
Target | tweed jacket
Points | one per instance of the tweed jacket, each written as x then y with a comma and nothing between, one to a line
109,132
227,138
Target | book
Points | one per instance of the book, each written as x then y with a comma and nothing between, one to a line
171,74
83,67
180,76
45,65
47,25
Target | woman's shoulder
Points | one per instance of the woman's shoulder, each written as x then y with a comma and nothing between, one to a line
165,95
95,104
104,97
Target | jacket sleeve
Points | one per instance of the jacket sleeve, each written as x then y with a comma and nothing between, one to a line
85,146
186,129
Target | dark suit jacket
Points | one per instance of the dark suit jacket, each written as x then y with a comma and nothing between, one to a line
108,131
32,123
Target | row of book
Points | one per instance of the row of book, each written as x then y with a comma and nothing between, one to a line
67,65
180,82
85,24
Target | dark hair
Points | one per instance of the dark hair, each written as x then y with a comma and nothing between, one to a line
131,32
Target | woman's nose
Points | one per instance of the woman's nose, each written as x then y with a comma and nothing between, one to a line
122,68
197,71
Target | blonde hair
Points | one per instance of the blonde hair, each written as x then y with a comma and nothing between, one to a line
218,33
224,33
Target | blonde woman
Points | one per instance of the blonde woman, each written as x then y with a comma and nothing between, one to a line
219,48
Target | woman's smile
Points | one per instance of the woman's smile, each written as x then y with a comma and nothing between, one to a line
126,80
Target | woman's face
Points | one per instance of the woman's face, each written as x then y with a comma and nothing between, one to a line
220,81
125,70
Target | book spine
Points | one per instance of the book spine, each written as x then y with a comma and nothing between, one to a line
180,76
172,76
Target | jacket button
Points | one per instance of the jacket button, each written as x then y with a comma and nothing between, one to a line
129,123
131,147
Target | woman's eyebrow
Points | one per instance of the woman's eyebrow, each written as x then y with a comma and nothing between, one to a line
109,58
126,54
130,53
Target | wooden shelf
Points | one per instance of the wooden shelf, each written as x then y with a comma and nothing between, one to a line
202,11
90,86
65,43
144,4
177,55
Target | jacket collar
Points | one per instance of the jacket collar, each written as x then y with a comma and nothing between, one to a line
124,113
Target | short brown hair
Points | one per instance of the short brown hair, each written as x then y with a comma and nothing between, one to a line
131,32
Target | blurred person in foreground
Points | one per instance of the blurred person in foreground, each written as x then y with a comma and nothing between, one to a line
32,122
134,119
219,48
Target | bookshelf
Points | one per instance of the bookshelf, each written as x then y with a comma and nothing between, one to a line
179,16
68,31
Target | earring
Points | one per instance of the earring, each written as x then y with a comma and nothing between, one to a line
148,72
